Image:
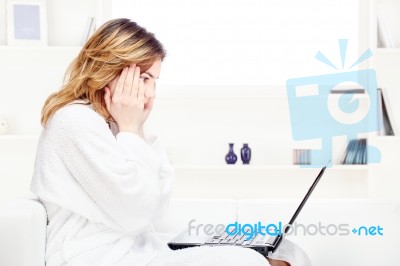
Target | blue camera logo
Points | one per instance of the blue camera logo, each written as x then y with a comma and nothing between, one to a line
316,113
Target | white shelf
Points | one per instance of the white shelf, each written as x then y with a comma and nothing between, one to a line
250,167
8,48
18,137
388,51
66,20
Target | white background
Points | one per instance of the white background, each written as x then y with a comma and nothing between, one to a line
245,42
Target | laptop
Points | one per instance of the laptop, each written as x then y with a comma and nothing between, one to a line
262,243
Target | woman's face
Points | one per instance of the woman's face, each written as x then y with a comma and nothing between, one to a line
149,80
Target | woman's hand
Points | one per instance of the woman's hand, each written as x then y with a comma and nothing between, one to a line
147,109
277,262
126,103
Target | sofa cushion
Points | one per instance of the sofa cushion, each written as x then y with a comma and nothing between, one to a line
363,247
22,233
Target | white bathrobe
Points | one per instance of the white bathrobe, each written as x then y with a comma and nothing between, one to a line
101,191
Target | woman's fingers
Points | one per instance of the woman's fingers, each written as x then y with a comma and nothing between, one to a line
107,98
136,82
140,93
119,88
130,80
130,87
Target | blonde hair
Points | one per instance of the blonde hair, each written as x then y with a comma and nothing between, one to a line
115,45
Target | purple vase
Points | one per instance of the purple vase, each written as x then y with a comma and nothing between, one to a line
245,153
231,157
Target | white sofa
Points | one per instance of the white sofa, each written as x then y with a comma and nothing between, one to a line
22,233
23,227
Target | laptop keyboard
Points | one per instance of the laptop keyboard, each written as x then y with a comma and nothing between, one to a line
238,239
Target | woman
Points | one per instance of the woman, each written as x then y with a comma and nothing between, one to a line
101,180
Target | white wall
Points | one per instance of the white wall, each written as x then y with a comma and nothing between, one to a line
28,76
257,42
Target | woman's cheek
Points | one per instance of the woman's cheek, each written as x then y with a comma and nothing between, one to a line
147,96
149,93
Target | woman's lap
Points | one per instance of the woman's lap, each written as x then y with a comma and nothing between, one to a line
232,256
207,256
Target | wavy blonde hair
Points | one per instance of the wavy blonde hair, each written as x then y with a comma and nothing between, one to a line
115,45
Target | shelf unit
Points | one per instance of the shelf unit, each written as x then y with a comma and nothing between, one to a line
222,112
383,181
389,10
386,12
387,65
37,69
246,168
41,69
12,137
59,12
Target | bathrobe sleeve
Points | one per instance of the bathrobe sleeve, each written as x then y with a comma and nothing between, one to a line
128,179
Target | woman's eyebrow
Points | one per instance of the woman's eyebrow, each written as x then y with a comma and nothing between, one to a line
151,75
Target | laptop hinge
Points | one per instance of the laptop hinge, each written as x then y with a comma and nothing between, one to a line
276,243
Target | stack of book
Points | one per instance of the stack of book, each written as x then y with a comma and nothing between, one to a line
301,156
356,152
385,39
386,121
89,29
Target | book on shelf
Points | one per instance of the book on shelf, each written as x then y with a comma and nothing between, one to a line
347,90
386,119
356,152
302,156
89,29
385,39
